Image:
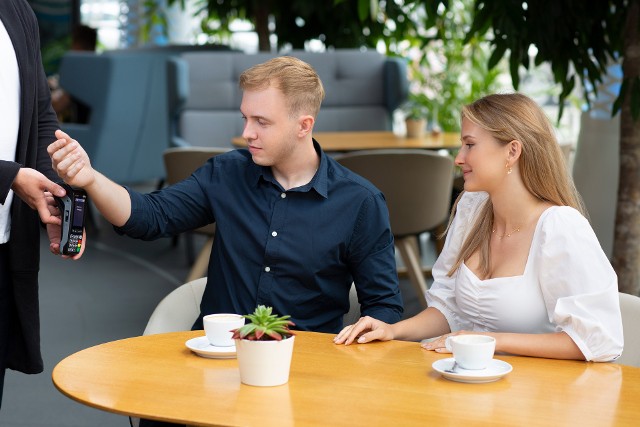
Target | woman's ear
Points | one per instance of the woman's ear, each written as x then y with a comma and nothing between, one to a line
514,151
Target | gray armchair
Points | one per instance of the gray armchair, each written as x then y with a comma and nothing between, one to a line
122,138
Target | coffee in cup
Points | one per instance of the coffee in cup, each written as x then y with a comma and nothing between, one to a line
471,351
218,328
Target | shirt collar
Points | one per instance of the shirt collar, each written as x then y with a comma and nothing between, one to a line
318,182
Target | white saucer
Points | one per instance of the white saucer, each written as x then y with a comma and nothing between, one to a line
496,370
202,347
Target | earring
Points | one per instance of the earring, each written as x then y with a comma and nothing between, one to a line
509,170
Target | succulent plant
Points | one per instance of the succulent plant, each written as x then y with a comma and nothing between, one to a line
264,326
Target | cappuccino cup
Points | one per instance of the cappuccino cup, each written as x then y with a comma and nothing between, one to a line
471,351
218,328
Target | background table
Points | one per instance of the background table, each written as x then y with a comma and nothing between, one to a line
390,383
351,141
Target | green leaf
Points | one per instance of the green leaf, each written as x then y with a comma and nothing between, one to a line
496,56
363,9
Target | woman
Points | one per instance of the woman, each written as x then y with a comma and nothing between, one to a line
520,263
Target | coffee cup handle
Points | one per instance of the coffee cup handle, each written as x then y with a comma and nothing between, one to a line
447,344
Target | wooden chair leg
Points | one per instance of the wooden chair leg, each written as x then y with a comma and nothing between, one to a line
407,248
199,268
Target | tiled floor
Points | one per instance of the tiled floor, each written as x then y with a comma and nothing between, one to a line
107,295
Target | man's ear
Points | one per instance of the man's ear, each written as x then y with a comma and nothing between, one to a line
305,125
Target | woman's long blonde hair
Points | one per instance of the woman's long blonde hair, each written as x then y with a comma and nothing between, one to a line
543,169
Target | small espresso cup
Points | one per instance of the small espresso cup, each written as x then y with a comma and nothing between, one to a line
218,328
471,351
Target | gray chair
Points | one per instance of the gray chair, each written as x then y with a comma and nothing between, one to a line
124,137
417,186
630,308
180,163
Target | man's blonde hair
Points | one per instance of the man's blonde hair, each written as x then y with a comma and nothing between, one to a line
297,80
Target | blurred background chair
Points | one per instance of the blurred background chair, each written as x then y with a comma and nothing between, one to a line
125,135
180,163
417,185
630,308
363,88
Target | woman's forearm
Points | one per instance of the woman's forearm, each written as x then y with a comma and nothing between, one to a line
556,345
429,323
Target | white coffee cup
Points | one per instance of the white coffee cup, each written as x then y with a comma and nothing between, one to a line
471,351
218,328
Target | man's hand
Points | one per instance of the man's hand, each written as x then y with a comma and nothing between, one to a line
70,161
32,187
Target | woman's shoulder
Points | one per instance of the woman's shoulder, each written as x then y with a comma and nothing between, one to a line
563,217
567,227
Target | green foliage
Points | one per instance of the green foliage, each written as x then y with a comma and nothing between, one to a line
577,38
264,326
417,106
52,53
447,71
337,23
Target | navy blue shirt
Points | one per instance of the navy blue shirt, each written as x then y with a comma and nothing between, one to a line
297,250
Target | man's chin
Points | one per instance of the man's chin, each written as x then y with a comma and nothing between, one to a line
260,161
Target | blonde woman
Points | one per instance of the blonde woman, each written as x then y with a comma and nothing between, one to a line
521,262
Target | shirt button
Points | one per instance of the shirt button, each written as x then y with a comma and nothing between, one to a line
274,233
283,195
267,269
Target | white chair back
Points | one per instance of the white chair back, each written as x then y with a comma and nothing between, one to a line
630,308
178,310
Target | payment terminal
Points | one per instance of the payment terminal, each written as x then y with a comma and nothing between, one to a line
73,209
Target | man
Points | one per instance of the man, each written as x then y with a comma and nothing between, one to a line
28,124
293,227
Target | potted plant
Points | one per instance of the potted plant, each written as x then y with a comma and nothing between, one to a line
416,113
264,347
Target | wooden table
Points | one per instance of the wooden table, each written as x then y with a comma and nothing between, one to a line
378,384
351,141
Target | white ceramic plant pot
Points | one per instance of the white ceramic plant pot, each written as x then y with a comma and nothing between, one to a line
264,363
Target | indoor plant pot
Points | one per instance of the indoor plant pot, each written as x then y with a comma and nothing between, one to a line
415,127
264,348
416,113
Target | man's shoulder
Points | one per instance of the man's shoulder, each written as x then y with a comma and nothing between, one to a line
233,158
342,176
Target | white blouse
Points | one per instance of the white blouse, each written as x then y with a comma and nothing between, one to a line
568,285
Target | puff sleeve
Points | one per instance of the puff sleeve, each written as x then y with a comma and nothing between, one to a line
579,286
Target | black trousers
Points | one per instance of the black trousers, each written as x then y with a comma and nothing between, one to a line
6,297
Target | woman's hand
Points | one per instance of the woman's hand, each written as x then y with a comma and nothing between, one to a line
365,330
438,344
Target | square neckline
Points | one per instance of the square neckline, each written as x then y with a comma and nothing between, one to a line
526,266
